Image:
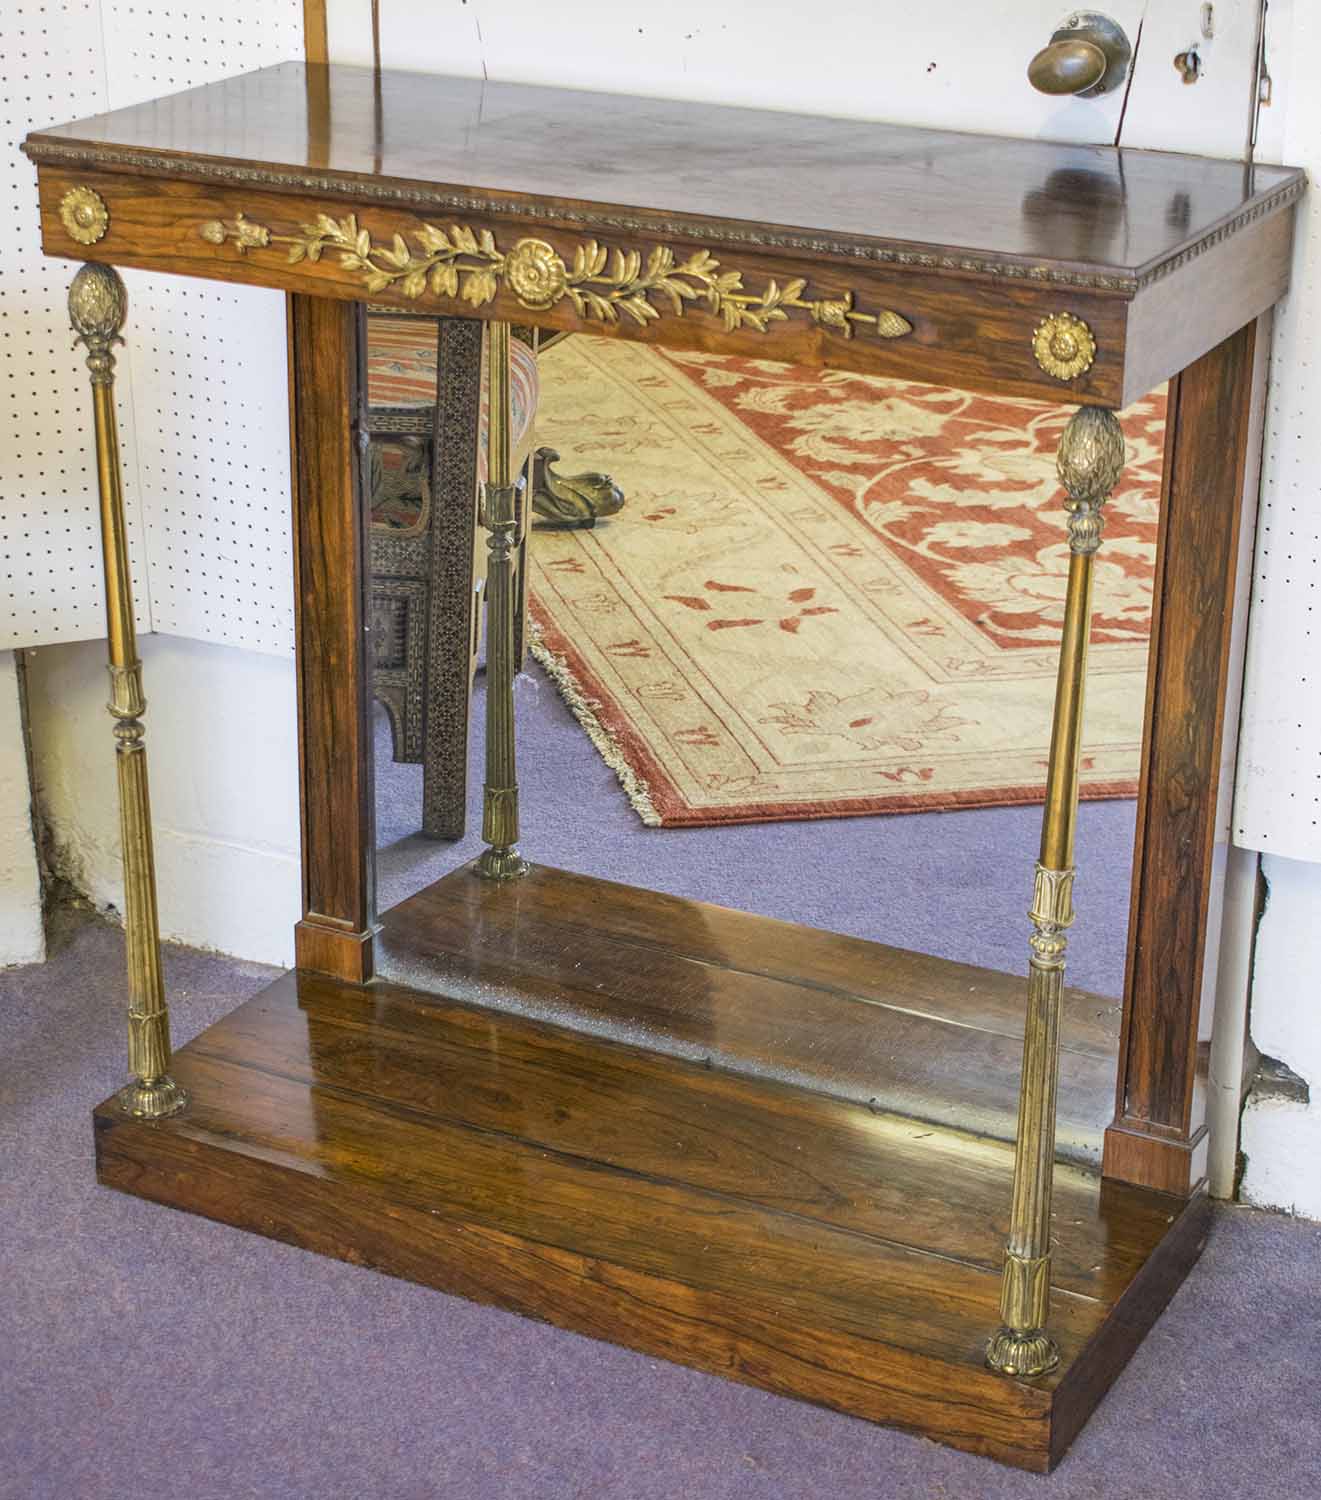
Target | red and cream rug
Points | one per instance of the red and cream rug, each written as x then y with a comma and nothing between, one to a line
828,594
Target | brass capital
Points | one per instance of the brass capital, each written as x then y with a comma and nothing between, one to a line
1089,462
499,509
1025,1293
1052,898
126,697
98,306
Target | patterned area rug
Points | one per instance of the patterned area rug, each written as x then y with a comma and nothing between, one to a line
829,594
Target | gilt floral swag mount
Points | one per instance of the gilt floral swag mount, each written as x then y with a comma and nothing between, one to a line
600,283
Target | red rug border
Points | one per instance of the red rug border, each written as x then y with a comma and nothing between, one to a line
674,811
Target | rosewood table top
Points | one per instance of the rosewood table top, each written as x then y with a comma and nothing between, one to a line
924,254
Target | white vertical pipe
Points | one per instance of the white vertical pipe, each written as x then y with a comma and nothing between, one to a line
1229,1030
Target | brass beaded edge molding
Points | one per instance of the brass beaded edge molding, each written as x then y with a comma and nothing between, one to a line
1064,346
85,156
600,283
84,215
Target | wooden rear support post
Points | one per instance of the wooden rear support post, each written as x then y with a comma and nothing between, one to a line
334,725
1212,453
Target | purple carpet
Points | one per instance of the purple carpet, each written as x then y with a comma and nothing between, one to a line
146,1352
956,884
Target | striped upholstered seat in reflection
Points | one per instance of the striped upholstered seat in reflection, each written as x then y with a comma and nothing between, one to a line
401,375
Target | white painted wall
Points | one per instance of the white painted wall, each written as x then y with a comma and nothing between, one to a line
943,63
1277,808
1281,1139
223,758
22,940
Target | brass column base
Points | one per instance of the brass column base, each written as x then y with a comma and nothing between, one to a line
1031,1353
156,1100
1022,1346
498,863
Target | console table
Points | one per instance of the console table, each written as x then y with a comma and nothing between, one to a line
703,1134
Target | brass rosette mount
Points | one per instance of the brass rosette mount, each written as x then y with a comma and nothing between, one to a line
84,215
1064,346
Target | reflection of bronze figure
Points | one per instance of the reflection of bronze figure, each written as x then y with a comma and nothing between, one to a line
1077,211
565,500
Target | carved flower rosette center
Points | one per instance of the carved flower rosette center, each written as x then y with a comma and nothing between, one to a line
535,273
84,215
1064,346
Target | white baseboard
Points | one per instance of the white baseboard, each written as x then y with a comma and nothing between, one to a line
222,757
1280,1137
1281,1141
22,936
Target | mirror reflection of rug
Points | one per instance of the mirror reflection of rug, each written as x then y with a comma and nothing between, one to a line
829,594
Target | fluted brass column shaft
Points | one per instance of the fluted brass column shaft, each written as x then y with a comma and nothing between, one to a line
501,859
97,308
1091,457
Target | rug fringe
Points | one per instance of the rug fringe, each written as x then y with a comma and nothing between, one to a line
584,709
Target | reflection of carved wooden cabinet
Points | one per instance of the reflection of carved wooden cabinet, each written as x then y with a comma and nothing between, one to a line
425,461
397,624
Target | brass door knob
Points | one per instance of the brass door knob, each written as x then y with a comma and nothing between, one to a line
1087,55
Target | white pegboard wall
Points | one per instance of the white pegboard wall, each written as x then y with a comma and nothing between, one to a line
209,365
210,391
202,384
51,67
1277,802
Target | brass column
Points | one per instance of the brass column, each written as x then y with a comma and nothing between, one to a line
500,516
98,305
1091,457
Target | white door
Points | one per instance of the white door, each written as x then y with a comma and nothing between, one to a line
939,63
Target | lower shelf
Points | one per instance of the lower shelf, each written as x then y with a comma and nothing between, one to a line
749,1226
903,1032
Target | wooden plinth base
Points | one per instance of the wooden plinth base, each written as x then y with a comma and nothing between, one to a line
777,1234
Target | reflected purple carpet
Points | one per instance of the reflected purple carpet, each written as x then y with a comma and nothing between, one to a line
955,884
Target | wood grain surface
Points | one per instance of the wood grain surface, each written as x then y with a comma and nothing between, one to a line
1158,1135
1071,210
925,1037
972,239
968,332
335,760
749,1228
